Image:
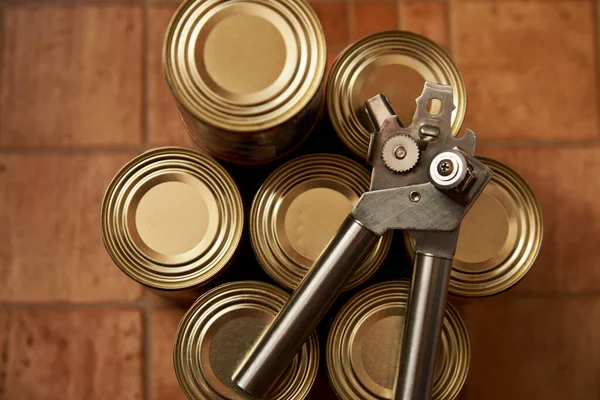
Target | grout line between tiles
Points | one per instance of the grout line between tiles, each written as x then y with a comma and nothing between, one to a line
508,296
58,305
145,51
532,143
70,151
52,3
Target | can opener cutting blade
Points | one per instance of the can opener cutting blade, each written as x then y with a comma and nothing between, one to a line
423,181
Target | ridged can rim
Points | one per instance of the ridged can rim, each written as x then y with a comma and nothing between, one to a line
352,61
518,257
278,259
221,108
386,299
218,306
172,272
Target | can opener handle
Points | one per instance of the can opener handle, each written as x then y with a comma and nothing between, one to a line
423,181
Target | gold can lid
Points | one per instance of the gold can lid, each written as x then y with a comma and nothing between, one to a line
298,210
217,332
244,65
172,218
500,237
364,344
396,63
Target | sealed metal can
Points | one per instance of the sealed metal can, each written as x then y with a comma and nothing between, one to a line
500,237
396,63
247,75
298,210
364,343
172,220
217,332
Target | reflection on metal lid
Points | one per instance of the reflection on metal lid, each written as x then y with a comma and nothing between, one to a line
217,332
172,218
298,210
244,65
499,238
396,63
364,342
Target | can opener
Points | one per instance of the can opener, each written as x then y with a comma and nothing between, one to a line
423,181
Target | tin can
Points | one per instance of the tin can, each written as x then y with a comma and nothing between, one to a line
364,344
298,210
172,220
396,63
217,332
500,237
247,75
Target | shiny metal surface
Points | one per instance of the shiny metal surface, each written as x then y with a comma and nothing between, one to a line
396,63
431,212
395,201
499,237
172,219
425,314
390,204
365,339
301,314
298,210
400,153
217,331
247,75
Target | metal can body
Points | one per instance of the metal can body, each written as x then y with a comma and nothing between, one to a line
247,75
364,345
499,238
172,220
217,332
298,210
396,63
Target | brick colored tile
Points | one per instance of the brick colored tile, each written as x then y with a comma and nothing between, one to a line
164,124
51,247
182,299
530,68
334,18
70,354
428,18
567,187
164,383
528,348
373,16
71,76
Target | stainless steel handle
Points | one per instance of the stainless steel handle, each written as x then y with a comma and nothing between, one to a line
423,325
270,356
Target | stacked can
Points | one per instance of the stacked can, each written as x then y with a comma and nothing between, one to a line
247,76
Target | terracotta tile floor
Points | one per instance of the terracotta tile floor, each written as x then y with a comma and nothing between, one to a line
81,92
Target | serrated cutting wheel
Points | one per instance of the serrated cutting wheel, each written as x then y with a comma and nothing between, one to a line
400,153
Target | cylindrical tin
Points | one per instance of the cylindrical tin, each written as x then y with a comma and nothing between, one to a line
364,343
217,332
396,63
298,210
499,238
247,75
172,219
